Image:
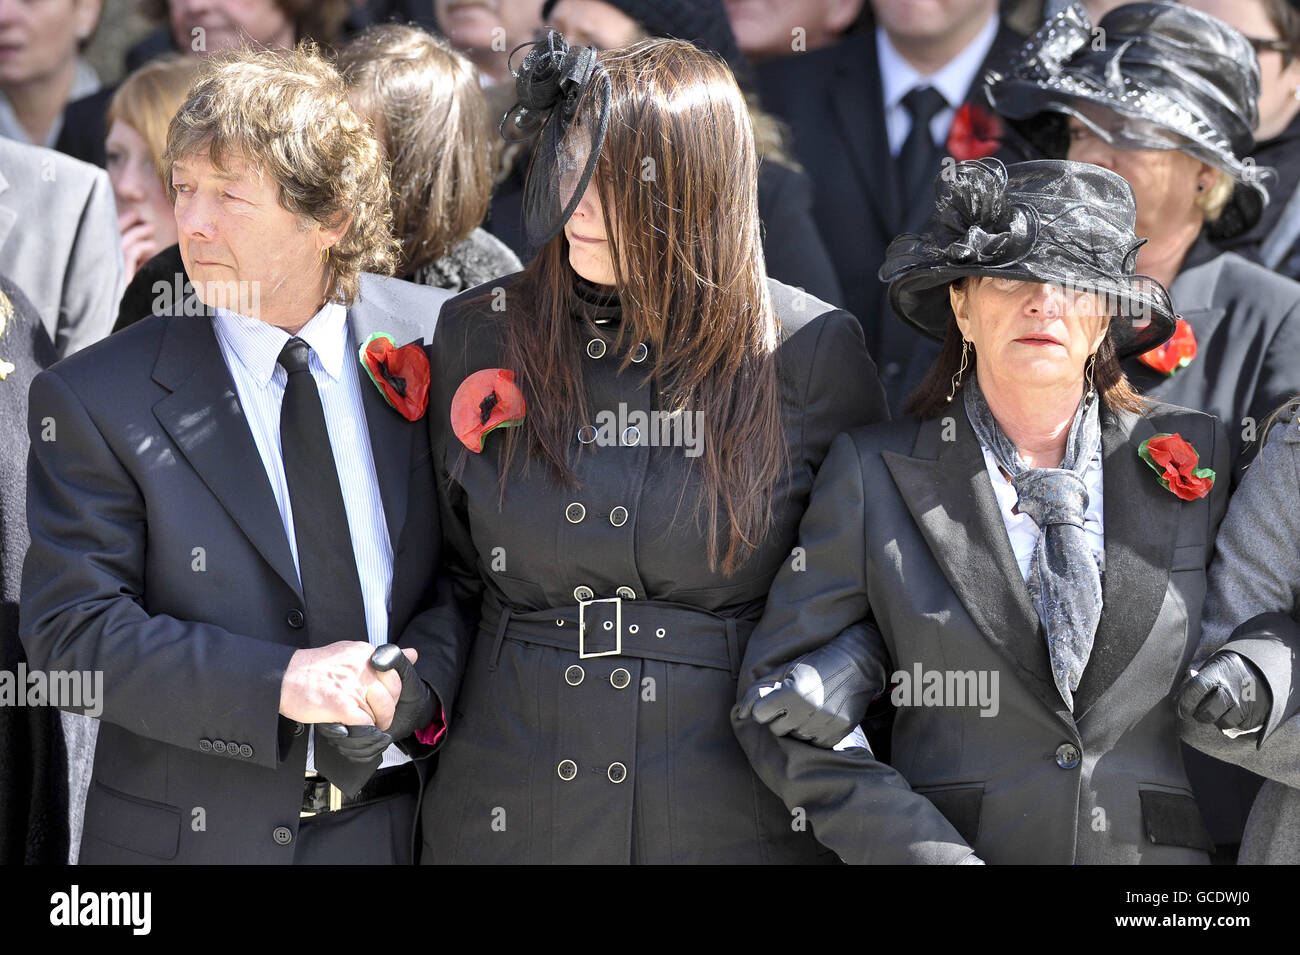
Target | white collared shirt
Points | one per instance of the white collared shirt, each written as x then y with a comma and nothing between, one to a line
1022,530
252,349
953,81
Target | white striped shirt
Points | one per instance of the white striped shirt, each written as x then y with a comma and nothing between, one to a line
252,351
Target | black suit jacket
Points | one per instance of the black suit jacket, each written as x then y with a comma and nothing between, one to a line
159,558
833,101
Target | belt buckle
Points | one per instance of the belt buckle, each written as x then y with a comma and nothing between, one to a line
618,627
334,797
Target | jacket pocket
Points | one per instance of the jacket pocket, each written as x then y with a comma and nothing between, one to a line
150,828
1172,818
960,804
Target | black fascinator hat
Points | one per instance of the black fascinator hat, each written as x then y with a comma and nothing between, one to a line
562,98
1148,76
1049,221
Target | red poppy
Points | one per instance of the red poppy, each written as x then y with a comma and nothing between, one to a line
400,374
486,400
975,134
1174,354
1176,462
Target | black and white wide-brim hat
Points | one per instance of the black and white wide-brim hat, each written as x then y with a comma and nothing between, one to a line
1168,77
1048,221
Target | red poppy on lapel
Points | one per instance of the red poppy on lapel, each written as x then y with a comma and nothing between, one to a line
1174,354
975,134
486,400
1175,461
400,374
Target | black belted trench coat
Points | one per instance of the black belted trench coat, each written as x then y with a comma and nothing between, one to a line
616,757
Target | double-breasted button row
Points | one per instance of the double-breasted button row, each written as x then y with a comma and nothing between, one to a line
223,748
596,348
576,513
568,770
583,592
1067,756
631,435
619,679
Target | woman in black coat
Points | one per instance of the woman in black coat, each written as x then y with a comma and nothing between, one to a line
672,406
33,758
1027,548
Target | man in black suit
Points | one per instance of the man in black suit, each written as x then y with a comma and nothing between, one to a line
229,514
850,105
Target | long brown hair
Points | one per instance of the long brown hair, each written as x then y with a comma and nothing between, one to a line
424,101
677,181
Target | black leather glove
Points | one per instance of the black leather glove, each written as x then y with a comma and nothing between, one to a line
349,755
416,704
825,693
1229,691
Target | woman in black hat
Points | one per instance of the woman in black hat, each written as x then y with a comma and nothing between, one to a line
1028,547
670,406
792,246
1167,97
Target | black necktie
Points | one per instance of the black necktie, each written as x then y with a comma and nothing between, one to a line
330,585
917,161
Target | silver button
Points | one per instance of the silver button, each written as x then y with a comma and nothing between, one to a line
581,593
640,352
661,633
620,678
618,516
575,512
596,348
632,437
627,593
587,434
608,624
617,772
573,675
633,628
567,769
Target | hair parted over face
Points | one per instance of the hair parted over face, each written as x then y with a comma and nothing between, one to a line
286,115
677,196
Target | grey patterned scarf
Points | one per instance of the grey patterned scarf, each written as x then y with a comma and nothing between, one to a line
1064,579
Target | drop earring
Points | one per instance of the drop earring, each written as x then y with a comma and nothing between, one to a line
956,379
1089,387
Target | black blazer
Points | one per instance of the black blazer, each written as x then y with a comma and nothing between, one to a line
152,459
903,530
832,100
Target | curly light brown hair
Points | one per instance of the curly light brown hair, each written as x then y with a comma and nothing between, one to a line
286,113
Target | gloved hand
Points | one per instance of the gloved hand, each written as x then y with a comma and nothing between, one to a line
824,694
415,705
357,744
1228,691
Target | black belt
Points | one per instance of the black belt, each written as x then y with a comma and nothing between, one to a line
612,626
393,781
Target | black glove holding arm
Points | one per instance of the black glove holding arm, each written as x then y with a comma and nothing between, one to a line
415,706
1228,691
825,693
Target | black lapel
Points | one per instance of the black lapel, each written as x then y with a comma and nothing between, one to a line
391,435
1141,528
858,101
205,420
946,487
